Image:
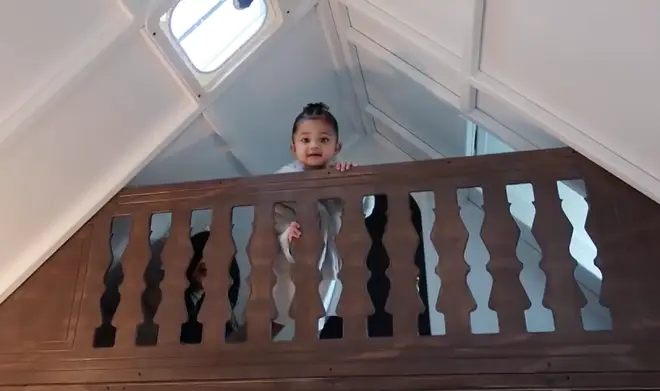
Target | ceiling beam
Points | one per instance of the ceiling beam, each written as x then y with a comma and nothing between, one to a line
341,21
363,42
406,140
472,55
477,116
443,54
213,121
349,99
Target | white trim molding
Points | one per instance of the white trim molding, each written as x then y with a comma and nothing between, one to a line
405,140
388,21
472,55
342,24
365,43
566,133
346,86
200,83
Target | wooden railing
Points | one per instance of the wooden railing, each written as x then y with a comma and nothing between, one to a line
624,225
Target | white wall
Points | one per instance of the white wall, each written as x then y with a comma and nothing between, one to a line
87,101
598,72
197,154
33,61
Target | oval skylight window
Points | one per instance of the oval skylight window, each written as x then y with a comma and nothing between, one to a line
211,31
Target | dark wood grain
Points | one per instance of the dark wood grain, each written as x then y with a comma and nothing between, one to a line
307,306
500,234
217,255
553,231
353,241
134,263
261,250
400,241
50,321
450,237
172,311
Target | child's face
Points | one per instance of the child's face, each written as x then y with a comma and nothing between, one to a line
314,143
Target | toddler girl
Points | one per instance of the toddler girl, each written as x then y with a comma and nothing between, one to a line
315,145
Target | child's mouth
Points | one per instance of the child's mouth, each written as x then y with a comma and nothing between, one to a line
314,155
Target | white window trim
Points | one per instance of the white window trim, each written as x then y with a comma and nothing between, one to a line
200,83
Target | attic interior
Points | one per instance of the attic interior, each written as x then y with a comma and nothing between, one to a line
135,95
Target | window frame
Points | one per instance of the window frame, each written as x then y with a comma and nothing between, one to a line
199,82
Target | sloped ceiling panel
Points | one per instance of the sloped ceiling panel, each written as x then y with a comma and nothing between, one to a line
598,72
413,106
443,22
197,154
536,74
88,135
33,60
436,63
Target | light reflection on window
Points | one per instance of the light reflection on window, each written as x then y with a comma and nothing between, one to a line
211,31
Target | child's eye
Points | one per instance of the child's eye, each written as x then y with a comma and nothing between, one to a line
324,139
304,140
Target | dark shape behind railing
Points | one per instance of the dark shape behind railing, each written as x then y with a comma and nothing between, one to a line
623,223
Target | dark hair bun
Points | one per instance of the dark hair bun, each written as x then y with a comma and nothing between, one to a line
318,108
317,111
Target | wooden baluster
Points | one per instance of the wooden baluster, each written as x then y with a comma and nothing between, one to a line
218,254
261,251
625,227
176,256
134,263
307,306
605,229
401,240
450,237
553,231
97,265
354,242
500,234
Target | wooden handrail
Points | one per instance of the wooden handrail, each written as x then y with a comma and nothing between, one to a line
623,224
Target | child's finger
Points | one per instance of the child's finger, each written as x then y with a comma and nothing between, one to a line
294,233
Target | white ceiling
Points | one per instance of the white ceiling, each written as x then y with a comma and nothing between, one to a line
92,100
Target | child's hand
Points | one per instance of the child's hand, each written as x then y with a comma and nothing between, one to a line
345,166
200,272
294,231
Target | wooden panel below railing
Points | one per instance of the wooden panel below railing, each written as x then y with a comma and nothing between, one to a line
50,324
